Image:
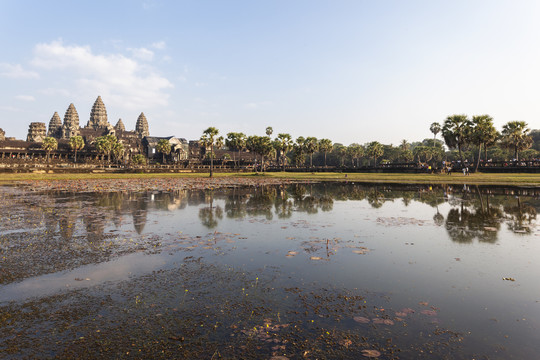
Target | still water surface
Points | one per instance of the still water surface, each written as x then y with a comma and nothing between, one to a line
299,271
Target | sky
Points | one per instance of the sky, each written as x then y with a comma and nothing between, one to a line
350,71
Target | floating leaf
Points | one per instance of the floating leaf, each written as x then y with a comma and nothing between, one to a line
423,303
316,258
429,312
383,321
371,353
361,319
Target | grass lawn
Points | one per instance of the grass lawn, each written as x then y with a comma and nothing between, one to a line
456,178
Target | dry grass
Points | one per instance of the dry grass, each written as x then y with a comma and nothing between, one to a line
457,178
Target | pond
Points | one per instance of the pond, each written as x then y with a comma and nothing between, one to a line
314,270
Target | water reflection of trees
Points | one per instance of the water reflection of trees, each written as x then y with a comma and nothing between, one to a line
475,213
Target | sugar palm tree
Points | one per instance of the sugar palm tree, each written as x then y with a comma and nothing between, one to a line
482,133
208,140
374,150
285,143
49,144
311,145
164,147
76,143
515,135
456,132
435,128
325,146
235,142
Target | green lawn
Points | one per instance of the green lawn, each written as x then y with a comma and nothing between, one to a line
456,178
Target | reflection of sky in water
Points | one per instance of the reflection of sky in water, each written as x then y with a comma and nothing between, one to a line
410,258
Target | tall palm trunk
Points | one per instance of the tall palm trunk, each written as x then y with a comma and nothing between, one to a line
478,159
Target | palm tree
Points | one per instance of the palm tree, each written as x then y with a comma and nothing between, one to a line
355,151
49,144
104,144
164,147
482,133
208,140
515,135
269,131
118,151
285,144
325,145
299,150
235,142
374,150
76,143
261,145
341,152
435,128
456,131
311,145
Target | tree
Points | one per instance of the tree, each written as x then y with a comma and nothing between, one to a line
118,151
76,143
283,145
311,145
105,144
164,147
515,136
325,146
269,131
139,159
374,150
261,145
435,128
236,142
482,133
208,140
341,152
299,150
355,151
456,131
49,144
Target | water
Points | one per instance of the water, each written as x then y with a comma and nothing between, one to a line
313,270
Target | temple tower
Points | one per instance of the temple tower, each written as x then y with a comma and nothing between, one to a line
119,126
141,128
98,115
37,131
2,135
71,123
55,126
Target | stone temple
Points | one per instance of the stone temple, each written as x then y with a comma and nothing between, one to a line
55,126
141,128
37,131
71,123
98,116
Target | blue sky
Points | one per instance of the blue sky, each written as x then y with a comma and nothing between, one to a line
350,71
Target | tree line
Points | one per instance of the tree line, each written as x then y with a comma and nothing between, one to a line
466,138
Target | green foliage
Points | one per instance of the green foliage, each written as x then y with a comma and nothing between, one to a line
139,159
164,147
76,143
208,139
515,135
105,144
456,132
49,144
374,150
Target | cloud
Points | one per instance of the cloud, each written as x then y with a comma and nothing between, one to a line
142,53
16,72
256,105
125,81
160,45
25,98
